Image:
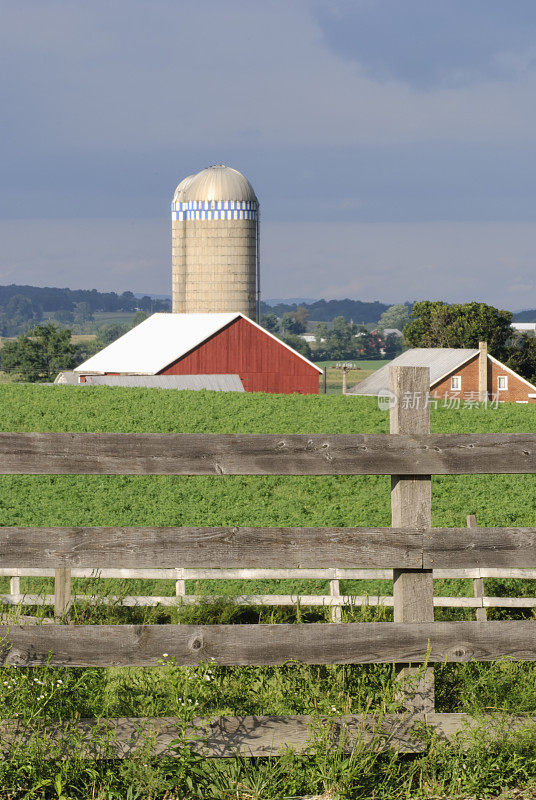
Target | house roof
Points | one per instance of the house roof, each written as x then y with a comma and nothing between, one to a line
214,383
441,361
160,340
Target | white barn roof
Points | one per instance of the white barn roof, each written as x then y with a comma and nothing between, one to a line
160,340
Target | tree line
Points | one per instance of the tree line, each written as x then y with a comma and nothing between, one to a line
21,307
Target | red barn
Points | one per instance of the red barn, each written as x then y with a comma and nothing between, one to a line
207,344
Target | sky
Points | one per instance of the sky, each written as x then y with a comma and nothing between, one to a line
391,144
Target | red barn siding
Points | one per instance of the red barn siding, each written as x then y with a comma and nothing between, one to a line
263,364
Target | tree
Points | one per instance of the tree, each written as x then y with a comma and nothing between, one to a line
298,344
270,322
108,334
393,345
293,325
396,316
64,317
40,354
522,356
19,315
82,313
138,317
437,324
321,333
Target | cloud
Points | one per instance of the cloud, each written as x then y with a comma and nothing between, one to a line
134,76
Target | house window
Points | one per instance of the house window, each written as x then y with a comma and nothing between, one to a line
456,383
502,383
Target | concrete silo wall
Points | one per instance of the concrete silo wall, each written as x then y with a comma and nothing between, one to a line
215,265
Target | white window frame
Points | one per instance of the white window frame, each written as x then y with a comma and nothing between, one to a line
455,383
502,378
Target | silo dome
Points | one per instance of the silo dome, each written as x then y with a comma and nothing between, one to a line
215,243
217,183
179,191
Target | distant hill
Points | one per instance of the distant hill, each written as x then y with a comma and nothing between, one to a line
327,310
50,298
525,316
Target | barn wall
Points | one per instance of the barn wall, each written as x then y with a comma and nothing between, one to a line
262,363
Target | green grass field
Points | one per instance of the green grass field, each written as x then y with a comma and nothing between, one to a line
482,768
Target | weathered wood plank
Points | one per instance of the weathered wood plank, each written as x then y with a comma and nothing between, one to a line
276,574
480,547
263,454
62,592
257,736
478,583
270,548
411,507
270,600
321,643
209,547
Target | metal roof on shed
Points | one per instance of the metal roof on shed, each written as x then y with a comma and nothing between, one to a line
214,383
441,361
160,340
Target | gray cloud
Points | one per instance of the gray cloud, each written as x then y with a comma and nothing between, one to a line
110,104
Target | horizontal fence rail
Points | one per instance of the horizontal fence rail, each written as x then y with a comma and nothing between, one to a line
260,454
302,600
226,737
325,573
254,548
270,645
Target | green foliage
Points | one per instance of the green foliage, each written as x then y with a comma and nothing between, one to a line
270,322
138,317
82,313
297,343
40,355
327,310
295,322
522,357
345,340
396,316
18,315
108,334
64,317
437,324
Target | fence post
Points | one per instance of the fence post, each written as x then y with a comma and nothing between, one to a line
62,592
411,507
335,591
14,588
478,583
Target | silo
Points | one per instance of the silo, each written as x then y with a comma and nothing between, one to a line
215,243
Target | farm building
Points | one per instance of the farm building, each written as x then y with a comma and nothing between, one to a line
206,344
468,374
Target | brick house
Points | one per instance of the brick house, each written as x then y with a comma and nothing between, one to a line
468,374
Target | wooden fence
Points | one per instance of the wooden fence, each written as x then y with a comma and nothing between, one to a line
412,548
63,595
